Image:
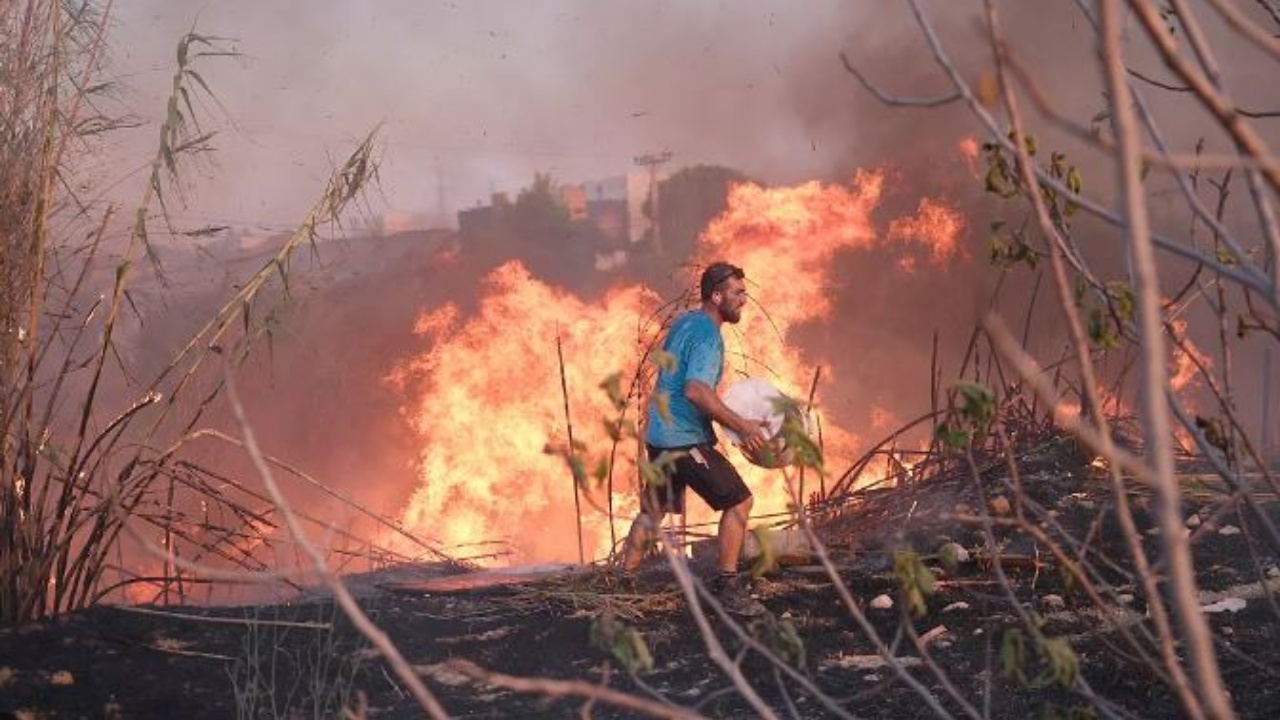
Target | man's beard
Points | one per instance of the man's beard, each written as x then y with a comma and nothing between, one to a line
730,314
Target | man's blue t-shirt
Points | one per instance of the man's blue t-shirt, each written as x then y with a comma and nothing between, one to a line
695,344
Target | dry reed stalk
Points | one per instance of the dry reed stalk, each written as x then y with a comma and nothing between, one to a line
75,473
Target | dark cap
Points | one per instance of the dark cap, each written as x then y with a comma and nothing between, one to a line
716,273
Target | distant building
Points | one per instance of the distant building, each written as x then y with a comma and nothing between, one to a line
574,199
614,188
614,205
610,217
638,186
396,222
479,220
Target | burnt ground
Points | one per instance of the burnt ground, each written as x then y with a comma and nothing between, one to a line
304,660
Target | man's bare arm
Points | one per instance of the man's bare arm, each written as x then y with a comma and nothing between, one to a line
705,399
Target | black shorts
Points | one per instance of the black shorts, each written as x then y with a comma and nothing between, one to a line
702,468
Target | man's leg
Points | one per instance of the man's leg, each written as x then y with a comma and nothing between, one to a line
733,532
644,531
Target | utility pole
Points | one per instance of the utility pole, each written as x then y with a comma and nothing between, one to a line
653,161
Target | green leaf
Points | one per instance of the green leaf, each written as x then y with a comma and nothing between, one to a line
1062,665
805,450
767,560
997,181
1074,182
949,554
954,439
978,403
655,472
623,642
1224,255
1122,300
916,580
664,360
1013,656
662,402
1101,331
781,636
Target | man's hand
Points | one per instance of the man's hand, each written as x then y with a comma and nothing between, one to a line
754,434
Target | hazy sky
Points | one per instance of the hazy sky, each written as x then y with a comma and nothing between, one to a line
479,95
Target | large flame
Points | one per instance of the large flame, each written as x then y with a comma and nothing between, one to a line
492,399
492,402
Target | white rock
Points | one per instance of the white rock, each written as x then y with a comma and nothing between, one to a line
1069,500
1273,572
868,662
1227,605
933,635
1194,521
956,606
1125,599
955,551
871,678
882,602
1229,530
1053,602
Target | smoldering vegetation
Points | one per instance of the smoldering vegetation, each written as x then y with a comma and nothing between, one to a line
349,318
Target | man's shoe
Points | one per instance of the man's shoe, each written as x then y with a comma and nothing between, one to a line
733,592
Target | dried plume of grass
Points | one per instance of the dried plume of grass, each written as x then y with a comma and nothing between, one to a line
78,470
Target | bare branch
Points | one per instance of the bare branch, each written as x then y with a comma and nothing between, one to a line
1155,413
571,688
343,596
1267,42
894,100
1079,343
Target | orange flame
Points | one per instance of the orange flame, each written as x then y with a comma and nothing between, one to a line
492,401
935,225
969,150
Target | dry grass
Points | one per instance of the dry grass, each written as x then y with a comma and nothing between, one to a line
84,469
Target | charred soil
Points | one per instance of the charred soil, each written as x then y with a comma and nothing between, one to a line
303,659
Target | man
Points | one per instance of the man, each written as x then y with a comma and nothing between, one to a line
689,388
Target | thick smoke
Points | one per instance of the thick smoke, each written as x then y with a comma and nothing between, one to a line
477,97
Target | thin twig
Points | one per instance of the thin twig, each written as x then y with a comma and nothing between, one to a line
571,688
343,596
